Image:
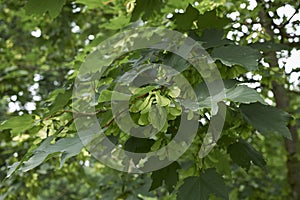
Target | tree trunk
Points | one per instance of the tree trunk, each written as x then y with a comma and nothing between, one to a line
282,102
293,164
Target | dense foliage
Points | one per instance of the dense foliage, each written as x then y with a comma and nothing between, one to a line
43,46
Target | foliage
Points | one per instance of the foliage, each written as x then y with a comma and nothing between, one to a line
42,48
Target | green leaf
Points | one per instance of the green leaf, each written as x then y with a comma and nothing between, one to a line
91,4
200,188
60,101
185,20
117,23
138,145
220,160
39,7
12,168
168,175
243,154
34,161
18,124
143,91
237,93
106,96
243,94
210,20
237,55
145,9
174,92
269,46
148,106
144,103
162,100
143,120
266,119
213,38
175,111
190,115
68,147
157,116
176,62
203,92
172,4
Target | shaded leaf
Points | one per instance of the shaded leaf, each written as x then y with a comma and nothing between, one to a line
201,188
269,46
34,161
138,145
60,101
184,21
12,168
237,55
70,147
243,94
242,153
210,20
266,119
67,146
213,38
176,62
168,175
234,92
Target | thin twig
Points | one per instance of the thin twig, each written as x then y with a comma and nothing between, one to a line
111,121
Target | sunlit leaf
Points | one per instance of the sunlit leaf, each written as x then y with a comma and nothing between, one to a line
39,7
18,124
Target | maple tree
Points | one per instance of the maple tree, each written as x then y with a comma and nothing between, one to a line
48,48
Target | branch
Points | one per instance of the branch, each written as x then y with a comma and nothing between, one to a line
288,21
292,44
82,113
112,120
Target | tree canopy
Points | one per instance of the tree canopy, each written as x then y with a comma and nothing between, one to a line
149,99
